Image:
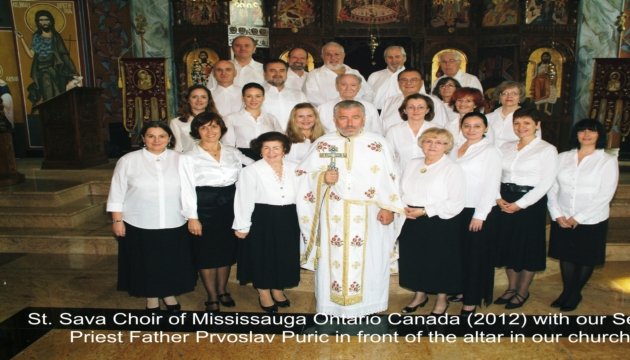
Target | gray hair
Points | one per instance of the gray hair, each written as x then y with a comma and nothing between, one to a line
340,77
335,44
456,55
392,47
348,104
507,85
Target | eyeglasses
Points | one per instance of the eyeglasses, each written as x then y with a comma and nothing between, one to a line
447,85
509,93
434,142
411,81
449,61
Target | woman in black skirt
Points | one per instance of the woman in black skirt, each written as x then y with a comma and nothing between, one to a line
529,169
266,220
434,190
579,207
481,163
208,173
144,200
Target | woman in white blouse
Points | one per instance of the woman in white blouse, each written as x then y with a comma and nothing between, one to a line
500,120
579,207
247,124
154,259
481,163
303,128
199,100
434,190
464,101
417,111
266,220
528,171
444,89
208,173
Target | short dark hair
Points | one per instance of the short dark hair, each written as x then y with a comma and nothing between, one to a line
205,118
474,114
296,48
252,85
588,124
430,105
528,111
441,82
157,124
257,143
275,61
408,70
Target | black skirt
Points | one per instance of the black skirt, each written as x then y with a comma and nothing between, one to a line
269,257
584,245
430,256
217,247
155,263
521,236
477,260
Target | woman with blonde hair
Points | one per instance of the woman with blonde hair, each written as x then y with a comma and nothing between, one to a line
303,129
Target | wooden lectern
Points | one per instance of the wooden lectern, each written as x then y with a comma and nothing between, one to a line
72,129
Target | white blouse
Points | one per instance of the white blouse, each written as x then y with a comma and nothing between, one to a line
481,164
404,143
534,165
503,128
146,189
198,168
181,131
259,183
583,191
243,128
440,188
298,151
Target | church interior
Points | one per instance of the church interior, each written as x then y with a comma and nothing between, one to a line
60,145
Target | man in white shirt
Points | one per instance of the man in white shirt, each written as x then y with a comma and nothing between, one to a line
298,61
279,99
320,83
247,69
410,82
226,95
385,82
348,196
449,64
348,86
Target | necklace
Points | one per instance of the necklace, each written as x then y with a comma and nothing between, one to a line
214,153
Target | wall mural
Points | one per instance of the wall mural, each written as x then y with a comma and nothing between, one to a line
546,12
294,14
451,14
544,78
500,13
372,12
48,53
199,64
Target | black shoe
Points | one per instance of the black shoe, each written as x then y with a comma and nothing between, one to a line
268,309
559,302
456,298
228,301
283,304
571,305
212,306
173,309
410,309
520,301
440,314
502,300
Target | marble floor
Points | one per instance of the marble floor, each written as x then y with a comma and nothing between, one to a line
89,281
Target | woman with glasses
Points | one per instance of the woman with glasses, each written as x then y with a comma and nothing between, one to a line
508,94
434,190
417,113
444,90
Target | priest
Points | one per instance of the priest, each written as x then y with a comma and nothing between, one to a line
350,215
